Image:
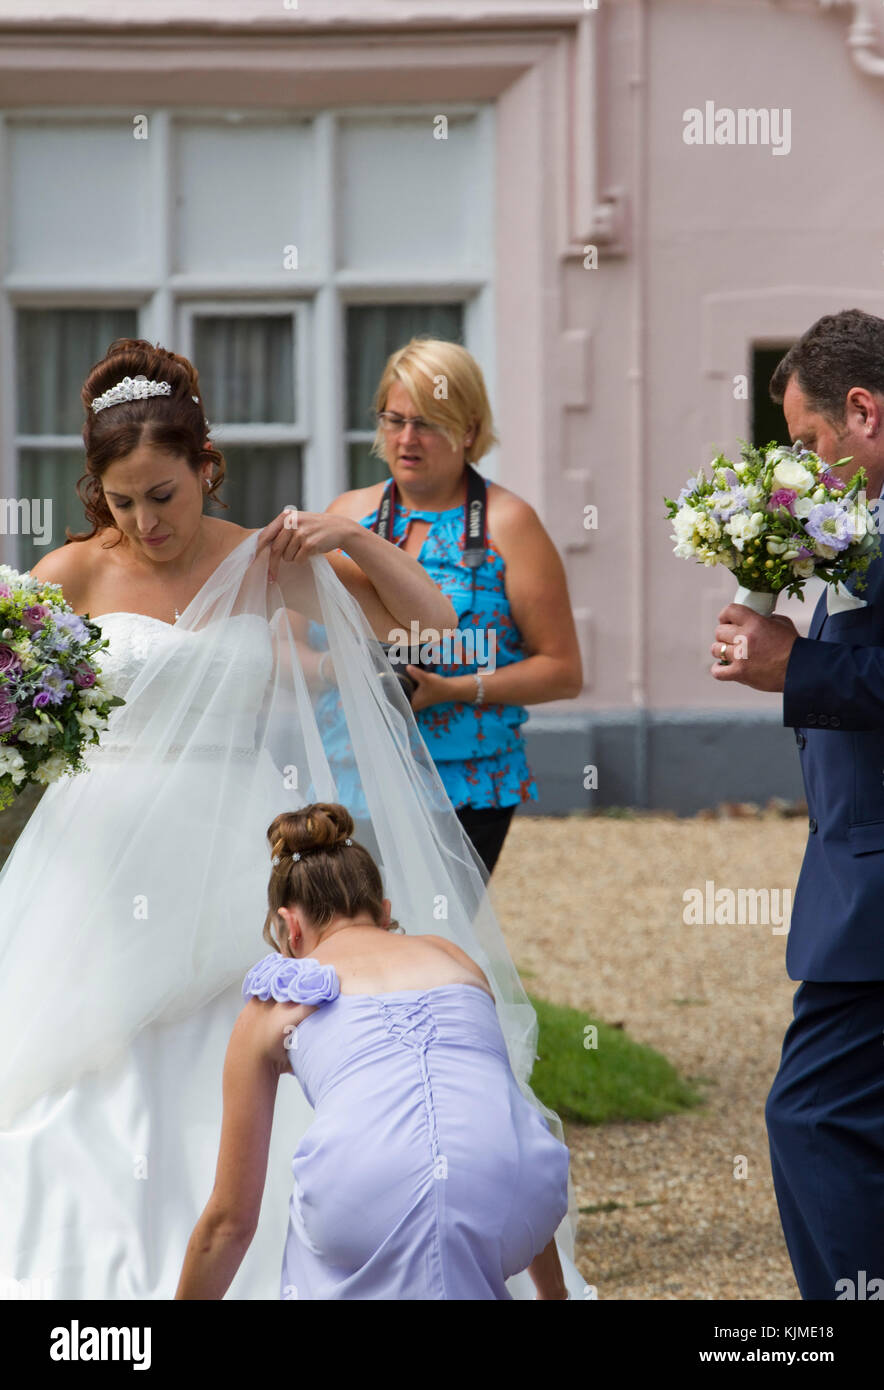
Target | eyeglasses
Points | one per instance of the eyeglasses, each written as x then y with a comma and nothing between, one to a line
394,424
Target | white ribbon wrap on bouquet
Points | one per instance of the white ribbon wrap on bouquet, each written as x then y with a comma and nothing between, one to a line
763,604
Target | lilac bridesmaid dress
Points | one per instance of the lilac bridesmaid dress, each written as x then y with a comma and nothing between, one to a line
426,1174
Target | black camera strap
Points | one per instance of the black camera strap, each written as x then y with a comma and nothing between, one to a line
475,522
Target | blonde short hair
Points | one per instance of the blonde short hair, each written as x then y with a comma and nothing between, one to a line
424,366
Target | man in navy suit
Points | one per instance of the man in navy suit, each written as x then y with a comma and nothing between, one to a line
825,1111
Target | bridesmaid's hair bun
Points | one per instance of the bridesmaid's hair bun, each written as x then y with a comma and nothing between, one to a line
324,825
319,867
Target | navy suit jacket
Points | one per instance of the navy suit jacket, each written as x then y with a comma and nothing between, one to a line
834,699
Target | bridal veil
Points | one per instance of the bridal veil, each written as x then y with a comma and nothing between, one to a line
129,921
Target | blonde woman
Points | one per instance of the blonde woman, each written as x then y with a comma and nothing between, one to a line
488,551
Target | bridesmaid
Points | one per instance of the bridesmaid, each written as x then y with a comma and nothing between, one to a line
511,592
425,1174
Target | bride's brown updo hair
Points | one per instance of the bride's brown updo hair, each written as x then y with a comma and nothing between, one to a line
175,422
334,876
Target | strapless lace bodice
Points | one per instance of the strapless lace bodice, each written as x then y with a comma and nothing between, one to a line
230,692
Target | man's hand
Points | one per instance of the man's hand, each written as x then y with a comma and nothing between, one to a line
756,649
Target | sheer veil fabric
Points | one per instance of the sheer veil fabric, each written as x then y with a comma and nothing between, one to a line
122,928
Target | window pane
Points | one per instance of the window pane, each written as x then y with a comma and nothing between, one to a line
56,349
366,468
47,476
374,331
242,195
260,481
80,200
409,200
768,420
246,368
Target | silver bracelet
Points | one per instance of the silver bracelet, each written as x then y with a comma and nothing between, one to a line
480,689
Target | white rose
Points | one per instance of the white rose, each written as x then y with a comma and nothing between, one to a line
12,762
35,732
685,527
51,770
803,507
90,719
825,552
803,568
792,474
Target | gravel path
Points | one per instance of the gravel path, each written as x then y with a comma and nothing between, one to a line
592,909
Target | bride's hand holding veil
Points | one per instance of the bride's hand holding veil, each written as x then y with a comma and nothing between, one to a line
390,586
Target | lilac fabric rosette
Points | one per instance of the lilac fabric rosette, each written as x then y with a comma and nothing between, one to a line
292,981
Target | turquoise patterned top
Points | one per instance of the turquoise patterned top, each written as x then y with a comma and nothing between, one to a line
479,751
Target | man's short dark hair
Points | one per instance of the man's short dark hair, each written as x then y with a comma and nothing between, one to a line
836,353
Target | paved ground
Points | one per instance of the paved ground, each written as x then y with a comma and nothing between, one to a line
593,908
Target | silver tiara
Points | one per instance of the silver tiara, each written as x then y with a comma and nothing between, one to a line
131,389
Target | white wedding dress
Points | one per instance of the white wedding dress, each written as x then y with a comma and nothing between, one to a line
132,906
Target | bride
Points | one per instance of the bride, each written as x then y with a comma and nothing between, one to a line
132,903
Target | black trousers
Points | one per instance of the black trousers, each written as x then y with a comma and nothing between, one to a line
487,828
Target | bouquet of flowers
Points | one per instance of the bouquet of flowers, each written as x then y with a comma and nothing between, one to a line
774,519
52,702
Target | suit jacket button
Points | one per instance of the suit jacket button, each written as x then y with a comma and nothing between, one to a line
823,721
800,738
834,722
812,826
811,719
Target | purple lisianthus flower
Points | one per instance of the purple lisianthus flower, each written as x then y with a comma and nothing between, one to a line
830,481
8,711
805,553
723,505
72,624
829,523
9,662
84,676
55,685
686,491
783,497
41,700
33,616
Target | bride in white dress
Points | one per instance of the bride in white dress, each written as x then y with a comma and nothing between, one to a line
134,899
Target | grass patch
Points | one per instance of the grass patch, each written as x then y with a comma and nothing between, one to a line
618,1080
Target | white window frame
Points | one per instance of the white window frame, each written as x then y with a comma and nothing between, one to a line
299,431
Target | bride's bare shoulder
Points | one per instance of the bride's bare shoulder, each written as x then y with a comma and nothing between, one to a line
68,566
227,534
